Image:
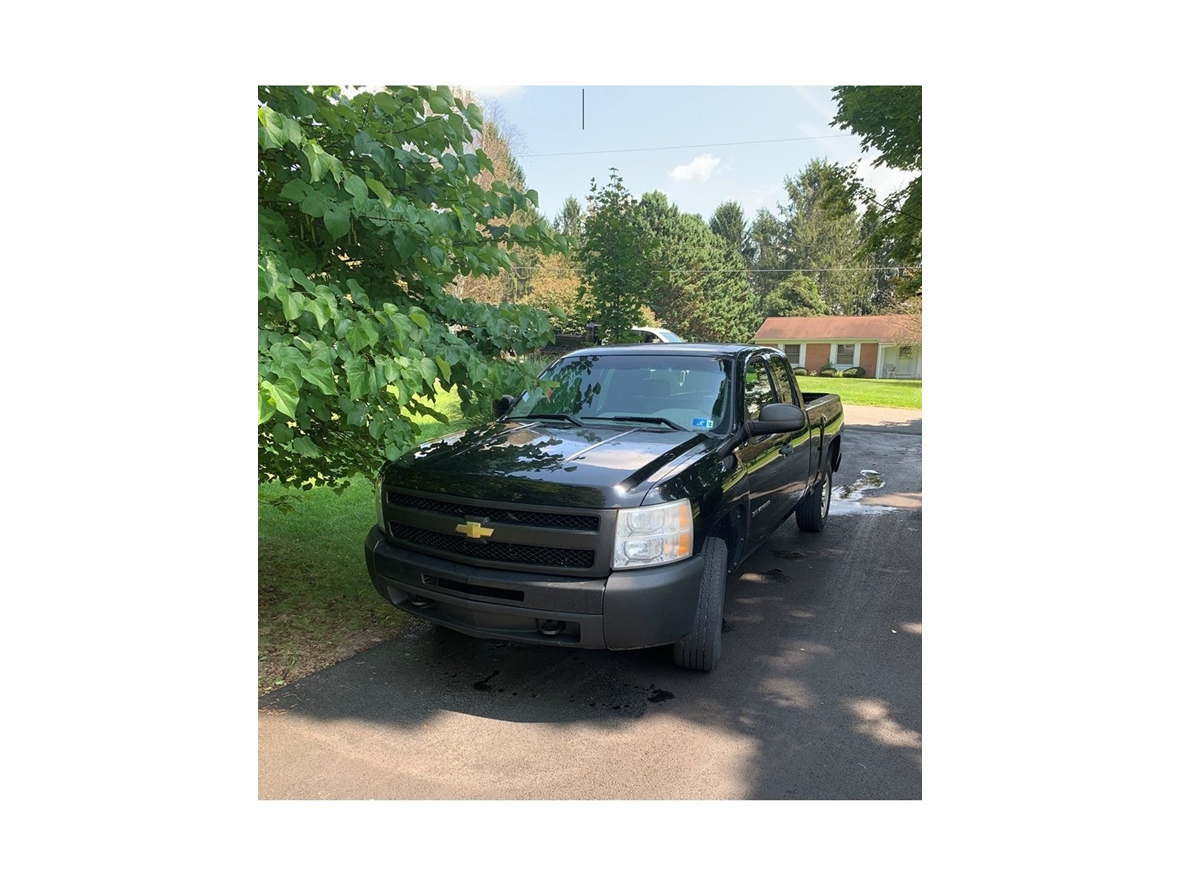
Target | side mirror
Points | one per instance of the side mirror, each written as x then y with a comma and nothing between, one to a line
779,418
501,406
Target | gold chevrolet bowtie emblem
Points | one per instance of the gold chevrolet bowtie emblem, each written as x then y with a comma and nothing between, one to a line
474,530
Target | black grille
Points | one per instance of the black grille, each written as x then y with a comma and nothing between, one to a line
493,550
575,521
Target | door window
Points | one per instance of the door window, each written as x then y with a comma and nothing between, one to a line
780,371
758,389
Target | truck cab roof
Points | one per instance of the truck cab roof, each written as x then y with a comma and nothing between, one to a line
672,348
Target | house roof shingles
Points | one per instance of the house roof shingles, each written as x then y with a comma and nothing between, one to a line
877,328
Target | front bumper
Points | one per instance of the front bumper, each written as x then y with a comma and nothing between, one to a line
633,608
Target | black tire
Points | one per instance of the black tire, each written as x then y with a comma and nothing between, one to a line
812,512
701,649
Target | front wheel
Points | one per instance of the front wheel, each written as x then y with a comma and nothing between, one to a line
812,512
701,649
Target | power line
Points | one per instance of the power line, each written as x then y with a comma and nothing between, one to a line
780,270
681,147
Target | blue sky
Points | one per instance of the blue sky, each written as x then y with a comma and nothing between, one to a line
700,145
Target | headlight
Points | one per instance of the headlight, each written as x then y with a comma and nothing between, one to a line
653,535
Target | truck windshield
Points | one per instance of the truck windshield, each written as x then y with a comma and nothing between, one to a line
657,392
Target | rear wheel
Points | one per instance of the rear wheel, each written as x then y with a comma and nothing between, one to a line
701,649
812,512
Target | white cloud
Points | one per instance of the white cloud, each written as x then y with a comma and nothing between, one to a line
701,167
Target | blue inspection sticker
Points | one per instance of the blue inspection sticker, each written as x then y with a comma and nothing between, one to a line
703,423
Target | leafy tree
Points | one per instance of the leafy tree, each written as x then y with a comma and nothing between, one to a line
616,262
369,208
889,119
497,140
729,223
553,286
703,291
823,237
796,296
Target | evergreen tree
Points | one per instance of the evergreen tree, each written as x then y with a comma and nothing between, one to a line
703,291
729,223
569,220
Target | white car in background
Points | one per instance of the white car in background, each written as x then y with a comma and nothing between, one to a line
651,335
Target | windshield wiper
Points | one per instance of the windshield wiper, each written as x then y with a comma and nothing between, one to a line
570,418
645,419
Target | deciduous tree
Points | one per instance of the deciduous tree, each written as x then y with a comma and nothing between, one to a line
368,209
616,261
796,296
823,237
889,119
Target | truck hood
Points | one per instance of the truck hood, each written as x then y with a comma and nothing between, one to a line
548,463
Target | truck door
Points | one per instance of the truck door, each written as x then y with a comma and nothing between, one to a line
805,444
776,463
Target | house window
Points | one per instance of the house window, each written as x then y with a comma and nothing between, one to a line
845,354
791,352
906,351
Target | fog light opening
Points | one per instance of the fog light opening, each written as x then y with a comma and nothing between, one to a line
552,628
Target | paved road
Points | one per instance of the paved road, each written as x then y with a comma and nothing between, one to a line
818,696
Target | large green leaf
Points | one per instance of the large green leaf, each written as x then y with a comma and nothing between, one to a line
381,191
320,374
362,334
318,163
356,371
266,405
305,447
356,186
283,395
272,132
321,308
292,303
338,221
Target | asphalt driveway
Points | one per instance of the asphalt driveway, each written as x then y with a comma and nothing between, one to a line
818,696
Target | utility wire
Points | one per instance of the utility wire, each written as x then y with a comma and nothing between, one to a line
783,270
681,147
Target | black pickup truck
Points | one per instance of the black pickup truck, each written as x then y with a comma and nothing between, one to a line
605,508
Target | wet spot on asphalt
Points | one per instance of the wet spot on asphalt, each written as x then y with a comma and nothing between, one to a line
483,684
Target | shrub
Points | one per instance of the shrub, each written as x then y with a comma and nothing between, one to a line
827,372
800,370
854,372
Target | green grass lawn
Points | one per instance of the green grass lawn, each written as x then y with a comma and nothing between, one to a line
316,605
885,392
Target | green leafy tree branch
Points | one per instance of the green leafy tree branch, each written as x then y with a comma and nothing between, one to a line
368,209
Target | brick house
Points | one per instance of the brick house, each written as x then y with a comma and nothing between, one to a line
884,346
